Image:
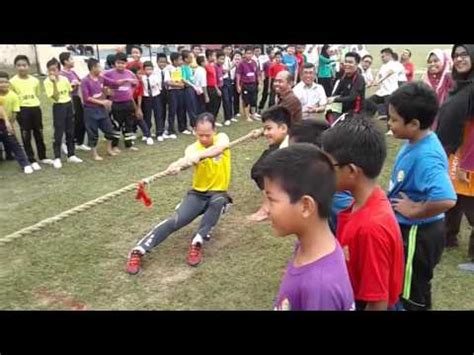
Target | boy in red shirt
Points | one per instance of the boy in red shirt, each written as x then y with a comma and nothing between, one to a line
215,95
408,64
138,117
276,67
368,230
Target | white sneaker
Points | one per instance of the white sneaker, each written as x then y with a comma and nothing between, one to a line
28,169
144,139
47,161
187,132
64,148
57,164
74,159
166,135
234,120
36,166
160,139
237,115
83,147
218,124
257,115
172,136
149,141
227,123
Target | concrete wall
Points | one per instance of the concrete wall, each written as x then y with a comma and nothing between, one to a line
8,52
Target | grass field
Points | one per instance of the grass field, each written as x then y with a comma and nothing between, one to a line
79,263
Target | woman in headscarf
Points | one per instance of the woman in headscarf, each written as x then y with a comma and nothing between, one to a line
437,74
456,133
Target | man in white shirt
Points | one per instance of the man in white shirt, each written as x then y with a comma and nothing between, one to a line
401,75
387,79
366,70
311,95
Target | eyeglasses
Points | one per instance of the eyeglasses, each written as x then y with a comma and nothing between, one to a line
463,55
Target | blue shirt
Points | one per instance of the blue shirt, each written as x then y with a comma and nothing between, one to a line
421,172
340,201
290,62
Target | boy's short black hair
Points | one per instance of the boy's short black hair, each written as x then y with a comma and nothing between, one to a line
357,140
249,49
185,54
206,117
91,63
354,55
200,59
63,57
308,131
303,169
415,100
409,52
21,57
4,75
174,56
278,114
134,69
278,53
235,53
195,45
367,56
137,47
53,62
308,66
148,64
180,48
257,47
387,50
220,53
225,46
209,52
161,55
120,57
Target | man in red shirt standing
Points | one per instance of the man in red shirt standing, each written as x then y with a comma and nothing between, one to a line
213,91
368,230
276,67
300,60
408,64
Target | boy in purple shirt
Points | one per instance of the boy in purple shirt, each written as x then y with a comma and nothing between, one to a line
123,105
246,78
300,184
67,62
96,108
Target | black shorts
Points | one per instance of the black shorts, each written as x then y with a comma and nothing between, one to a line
30,118
249,94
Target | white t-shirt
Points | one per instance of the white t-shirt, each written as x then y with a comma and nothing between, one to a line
401,72
155,83
200,78
390,84
310,96
367,74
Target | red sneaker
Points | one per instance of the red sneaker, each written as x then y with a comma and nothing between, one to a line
133,264
194,255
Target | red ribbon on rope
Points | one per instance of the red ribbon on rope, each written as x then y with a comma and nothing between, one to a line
142,194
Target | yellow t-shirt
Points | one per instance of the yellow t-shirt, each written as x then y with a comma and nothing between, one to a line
64,89
11,104
27,90
212,174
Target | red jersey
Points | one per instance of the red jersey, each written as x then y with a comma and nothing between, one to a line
211,75
135,64
275,69
409,70
373,246
138,92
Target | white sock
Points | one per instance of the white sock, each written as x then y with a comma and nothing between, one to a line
197,239
139,249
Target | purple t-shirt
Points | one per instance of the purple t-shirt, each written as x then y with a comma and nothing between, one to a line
124,92
248,72
94,88
219,75
323,285
73,79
